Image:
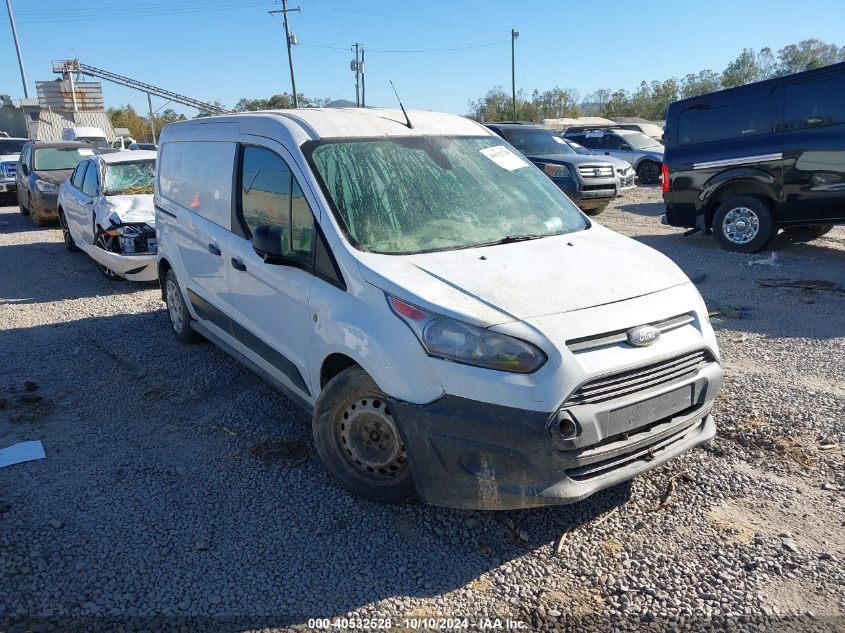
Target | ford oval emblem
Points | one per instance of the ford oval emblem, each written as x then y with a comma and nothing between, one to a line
643,336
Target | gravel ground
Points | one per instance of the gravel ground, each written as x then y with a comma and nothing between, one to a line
181,492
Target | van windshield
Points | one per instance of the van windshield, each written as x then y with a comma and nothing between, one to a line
407,195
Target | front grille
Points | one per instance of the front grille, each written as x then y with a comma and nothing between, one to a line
8,169
608,188
630,381
596,171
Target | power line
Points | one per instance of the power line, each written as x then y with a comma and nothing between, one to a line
123,15
416,19
420,50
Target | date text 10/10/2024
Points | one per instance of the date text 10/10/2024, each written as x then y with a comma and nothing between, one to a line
436,624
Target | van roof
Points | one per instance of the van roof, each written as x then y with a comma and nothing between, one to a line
319,123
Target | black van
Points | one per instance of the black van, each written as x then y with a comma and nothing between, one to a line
747,161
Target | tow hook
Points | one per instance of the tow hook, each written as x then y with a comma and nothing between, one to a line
692,231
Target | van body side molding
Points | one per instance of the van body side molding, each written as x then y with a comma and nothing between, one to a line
216,316
740,160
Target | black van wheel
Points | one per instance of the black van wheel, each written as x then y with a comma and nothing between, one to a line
807,233
648,172
358,441
177,311
743,224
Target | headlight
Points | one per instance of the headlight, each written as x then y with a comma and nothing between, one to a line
556,171
46,187
461,342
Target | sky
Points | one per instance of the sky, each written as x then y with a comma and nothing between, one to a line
228,49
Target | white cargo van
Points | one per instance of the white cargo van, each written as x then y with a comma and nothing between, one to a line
91,135
457,327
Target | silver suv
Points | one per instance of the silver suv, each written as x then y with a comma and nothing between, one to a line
643,152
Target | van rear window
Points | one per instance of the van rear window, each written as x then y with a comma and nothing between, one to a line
734,117
197,175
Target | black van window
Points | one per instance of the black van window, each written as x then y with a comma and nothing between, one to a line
815,103
734,117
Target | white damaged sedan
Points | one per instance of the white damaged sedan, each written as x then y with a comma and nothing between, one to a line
106,209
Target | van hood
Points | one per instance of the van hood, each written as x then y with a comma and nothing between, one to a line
513,282
137,208
55,176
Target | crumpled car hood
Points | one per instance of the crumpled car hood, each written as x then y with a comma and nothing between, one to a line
137,208
511,282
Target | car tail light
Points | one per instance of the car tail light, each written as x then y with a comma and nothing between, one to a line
665,171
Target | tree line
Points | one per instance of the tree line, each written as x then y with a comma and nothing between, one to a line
139,125
650,99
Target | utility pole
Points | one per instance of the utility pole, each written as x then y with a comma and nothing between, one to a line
152,117
363,81
289,39
17,48
357,68
514,35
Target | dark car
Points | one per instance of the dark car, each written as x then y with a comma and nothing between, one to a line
41,168
589,181
745,162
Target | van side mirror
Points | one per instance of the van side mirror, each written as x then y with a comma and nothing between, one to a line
25,169
270,242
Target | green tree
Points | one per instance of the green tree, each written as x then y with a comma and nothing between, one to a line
705,81
808,54
743,70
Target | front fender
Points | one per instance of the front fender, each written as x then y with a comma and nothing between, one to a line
360,325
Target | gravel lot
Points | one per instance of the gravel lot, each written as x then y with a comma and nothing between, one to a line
181,491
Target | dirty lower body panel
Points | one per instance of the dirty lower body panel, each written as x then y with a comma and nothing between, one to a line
470,454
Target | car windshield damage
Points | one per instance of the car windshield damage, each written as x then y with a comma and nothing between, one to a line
409,195
129,179
59,158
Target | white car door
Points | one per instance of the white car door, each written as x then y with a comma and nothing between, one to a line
74,202
271,313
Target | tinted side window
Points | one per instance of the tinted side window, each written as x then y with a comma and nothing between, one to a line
613,141
814,103
79,174
735,117
89,182
270,195
197,175
593,141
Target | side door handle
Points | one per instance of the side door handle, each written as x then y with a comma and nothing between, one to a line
214,249
238,264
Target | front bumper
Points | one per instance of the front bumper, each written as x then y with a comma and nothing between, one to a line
8,186
131,267
588,195
470,454
45,205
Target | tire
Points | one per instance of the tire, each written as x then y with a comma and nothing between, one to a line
595,211
743,224
807,233
107,272
177,311
24,211
358,441
70,245
36,218
648,172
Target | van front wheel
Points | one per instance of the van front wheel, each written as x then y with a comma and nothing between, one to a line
743,224
177,311
357,438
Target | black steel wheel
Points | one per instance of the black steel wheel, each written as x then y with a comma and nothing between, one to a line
358,439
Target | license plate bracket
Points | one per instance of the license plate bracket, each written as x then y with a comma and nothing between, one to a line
651,410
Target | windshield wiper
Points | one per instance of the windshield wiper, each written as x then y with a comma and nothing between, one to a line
510,239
